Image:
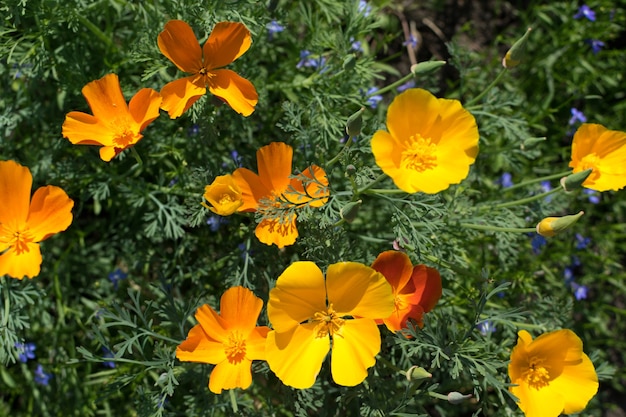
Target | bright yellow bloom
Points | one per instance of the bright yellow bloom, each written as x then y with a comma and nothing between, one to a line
602,150
552,374
114,125
275,193
230,340
430,145
224,195
227,42
307,312
25,222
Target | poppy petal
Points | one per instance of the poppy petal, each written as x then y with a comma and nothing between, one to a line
278,231
179,95
311,187
355,347
144,107
105,98
26,263
16,182
84,129
227,42
235,90
180,45
213,325
578,383
240,308
428,288
255,343
229,375
274,165
253,190
396,267
538,402
50,212
200,347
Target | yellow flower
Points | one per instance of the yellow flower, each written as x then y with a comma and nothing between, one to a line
25,222
275,193
224,195
550,226
552,374
602,150
307,312
114,125
230,340
430,145
227,42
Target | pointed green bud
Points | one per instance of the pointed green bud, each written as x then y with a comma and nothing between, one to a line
350,170
350,211
353,126
530,142
517,53
550,226
416,373
575,181
426,67
458,398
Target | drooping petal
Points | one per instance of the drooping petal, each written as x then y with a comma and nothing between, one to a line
228,375
355,347
227,42
240,308
355,289
396,267
180,45
200,347
144,107
279,231
255,344
213,325
15,186
274,165
84,129
50,212
578,383
310,187
105,98
235,90
299,293
296,356
253,190
109,152
179,95
427,282
26,263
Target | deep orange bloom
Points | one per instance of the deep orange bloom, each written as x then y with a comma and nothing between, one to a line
274,189
25,222
227,42
114,125
230,340
416,289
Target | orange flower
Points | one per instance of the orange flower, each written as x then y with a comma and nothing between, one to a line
416,288
274,193
227,42
114,125
231,340
25,222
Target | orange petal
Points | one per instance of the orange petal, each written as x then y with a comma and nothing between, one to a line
180,45
200,347
255,344
227,42
179,95
213,325
109,152
50,212
279,232
84,129
227,375
240,308
15,185
310,187
252,189
235,90
274,164
27,263
396,267
427,283
398,318
144,107
355,347
105,98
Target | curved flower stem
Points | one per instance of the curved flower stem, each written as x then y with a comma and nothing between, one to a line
136,155
540,179
384,191
390,365
345,148
392,86
7,302
233,400
371,184
486,90
490,228
524,200
438,396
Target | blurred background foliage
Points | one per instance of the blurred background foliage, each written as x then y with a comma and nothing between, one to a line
118,289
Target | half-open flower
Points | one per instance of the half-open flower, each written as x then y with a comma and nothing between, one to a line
551,374
416,289
223,195
430,145
24,222
227,42
114,125
231,340
308,311
602,150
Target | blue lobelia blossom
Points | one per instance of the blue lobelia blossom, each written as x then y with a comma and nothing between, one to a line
106,353
537,243
577,116
594,196
373,99
273,28
585,11
406,86
506,180
193,130
307,60
486,327
580,291
411,42
364,8
215,222
545,187
356,46
25,351
116,276
596,45
568,275
42,377
581,241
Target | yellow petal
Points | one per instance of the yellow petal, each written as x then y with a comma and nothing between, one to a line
240,308
296,356
227,42
223,195
578,383
200,347
355,347
405,107
235,90
227,375
299,293
355,289
255,343
26,263
279,232
144,107
15,186
179,95
84,129
50,212
544,402
180,45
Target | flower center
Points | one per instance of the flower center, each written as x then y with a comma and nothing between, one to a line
124,134
235,347
328,322
226,199
420,154
17,239
590,162
536,376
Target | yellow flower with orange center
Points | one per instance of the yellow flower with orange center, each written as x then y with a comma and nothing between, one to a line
231,340
551,374
602,150
114,125
227,42
223,195
430,145
307,312
24,222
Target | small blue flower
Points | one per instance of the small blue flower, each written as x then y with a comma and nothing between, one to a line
568,275
215,222
537,243
596,45
580,291
106,353
576,261
364,8
545,187
577,116
356,46
585,11
594,196
581,241
42,377
406,86
506,180
411,42
486,327
25,351
116,276
273,28
307,60
193,130
373,98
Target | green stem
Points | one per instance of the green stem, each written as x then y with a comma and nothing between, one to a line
371,184
491,228
392,86
336,157
540,179
388,364
384,191
233,400
438,396
94,29
524,200
134,152
7,304
486,90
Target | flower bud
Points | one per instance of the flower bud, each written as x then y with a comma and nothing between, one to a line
353,126
350,170
223,195
350,211
575,181
416,373
530,142
550,226
457,398
517,53
426,67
